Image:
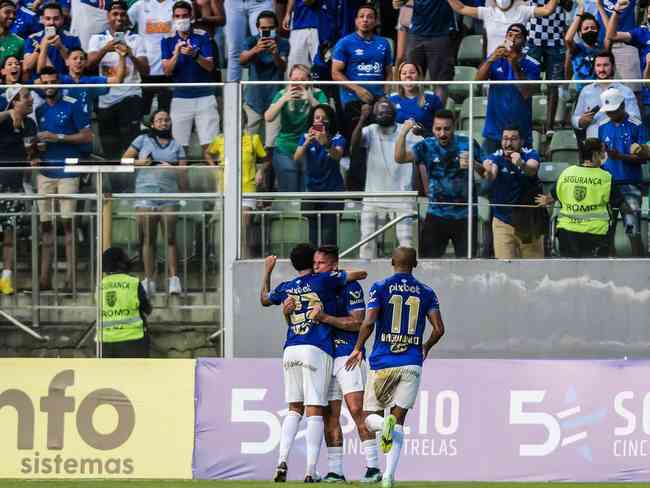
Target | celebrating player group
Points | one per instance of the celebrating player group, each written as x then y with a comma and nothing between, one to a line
324,356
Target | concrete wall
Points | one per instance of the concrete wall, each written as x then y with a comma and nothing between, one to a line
495,309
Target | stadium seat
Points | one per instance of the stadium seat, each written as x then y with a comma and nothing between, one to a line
349,232
645,170
124,227
470,52
564,147
461,92
202,179
185,233
537,141
288,231
480,111
540,109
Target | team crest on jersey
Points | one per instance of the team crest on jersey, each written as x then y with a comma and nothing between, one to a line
579,193
111,298
301,329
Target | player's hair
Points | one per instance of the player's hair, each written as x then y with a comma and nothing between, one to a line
330,250
590,147
48,70
300,67
302,257
52,6
585,17
511,128
404,257
267,14
444,114
75,49
182,4
367,6
115,260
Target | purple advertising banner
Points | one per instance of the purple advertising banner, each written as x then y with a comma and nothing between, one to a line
491,420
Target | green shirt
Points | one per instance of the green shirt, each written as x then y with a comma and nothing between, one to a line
294,121
11,45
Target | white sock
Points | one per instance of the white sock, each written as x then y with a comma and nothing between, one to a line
315,432
393,456
374,422
289,431
6,273
372,453
335,460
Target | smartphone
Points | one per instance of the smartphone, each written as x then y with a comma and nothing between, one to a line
508,44
119,37
265,34
50,31
595,109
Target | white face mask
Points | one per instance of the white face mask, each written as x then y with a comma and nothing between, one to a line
182,25
504,4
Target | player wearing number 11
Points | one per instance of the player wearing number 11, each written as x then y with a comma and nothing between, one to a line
399,306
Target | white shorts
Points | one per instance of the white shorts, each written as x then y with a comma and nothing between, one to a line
392,387
307,375
344,381
303,47
186,112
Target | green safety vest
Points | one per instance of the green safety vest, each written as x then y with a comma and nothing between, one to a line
121,320
584,194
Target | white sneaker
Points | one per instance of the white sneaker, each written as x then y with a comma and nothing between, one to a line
175,286
149,287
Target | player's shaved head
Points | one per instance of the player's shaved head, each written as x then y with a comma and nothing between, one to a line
302,257
404,259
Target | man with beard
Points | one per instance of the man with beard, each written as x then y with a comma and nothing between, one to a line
586,116
512,172
383,173
509,104
10,43
64,127
443,161
17,144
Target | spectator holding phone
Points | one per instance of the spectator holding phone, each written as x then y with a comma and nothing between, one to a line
413,102
266,56
321,149
293,105
158,148
587,115
120,110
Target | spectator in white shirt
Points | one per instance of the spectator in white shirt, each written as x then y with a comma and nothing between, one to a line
87,17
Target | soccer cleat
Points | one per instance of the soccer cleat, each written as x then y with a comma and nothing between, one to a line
387,482
334,478
280,473
386,441
5,286
373,475
310,479
175,286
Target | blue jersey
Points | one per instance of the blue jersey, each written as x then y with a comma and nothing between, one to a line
307,292
626,20
322,171
403,304
69,41
86,96
304,16
67,116
409,108
582,61
27,22
365,60
348,301
641,40
506,105
188,70
620,137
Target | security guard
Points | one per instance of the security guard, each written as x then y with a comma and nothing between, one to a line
124,306
584,192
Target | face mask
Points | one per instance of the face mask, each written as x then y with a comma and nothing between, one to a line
590,37
182,25
162,134
504,4
385,119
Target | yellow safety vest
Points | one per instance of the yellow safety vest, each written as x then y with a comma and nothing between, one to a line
121,320
584,194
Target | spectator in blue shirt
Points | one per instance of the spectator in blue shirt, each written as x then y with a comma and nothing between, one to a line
512,173
303,30
583,48
53,40
64,127
627,58
639,37
361,56
27,20
187,58
266,56
509,104
619,133
412,101
321,149
443,161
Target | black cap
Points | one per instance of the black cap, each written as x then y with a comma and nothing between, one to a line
121,4
7,3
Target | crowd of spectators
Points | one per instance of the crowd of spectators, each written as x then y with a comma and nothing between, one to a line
357,137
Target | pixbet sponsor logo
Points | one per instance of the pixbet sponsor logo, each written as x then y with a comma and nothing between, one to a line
55,405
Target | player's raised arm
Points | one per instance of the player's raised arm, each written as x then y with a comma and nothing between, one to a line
350,323
364,332
269,264
435,318
356,275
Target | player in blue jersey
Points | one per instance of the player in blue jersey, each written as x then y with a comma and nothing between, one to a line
399,306
348,384
308,349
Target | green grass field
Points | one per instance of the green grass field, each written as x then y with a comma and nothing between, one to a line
261,484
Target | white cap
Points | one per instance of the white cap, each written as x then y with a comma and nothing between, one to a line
12,92
611,100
